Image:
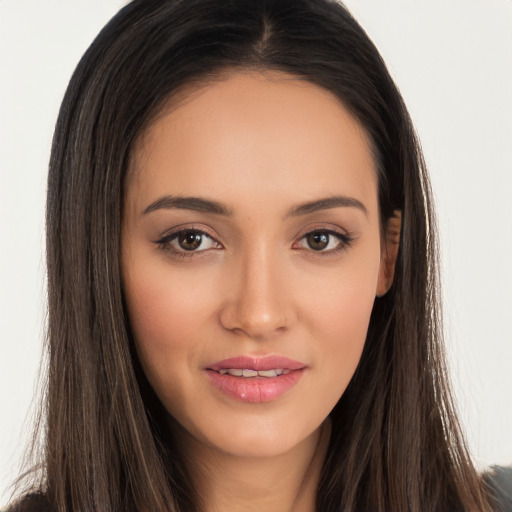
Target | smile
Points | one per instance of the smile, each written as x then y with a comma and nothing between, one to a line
255,379
247,373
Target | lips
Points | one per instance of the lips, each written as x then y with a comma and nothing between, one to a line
248,374
254,380
257,363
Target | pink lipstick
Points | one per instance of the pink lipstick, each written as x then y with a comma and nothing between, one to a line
255,379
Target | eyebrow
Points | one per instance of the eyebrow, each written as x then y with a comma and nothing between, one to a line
197,204
202,205
325,204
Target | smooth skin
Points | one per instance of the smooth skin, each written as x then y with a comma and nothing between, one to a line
261,265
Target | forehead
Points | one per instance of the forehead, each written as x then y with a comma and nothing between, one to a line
250,132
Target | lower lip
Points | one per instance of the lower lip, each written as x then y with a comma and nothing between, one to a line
254,389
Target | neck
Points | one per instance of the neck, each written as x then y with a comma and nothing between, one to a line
286,482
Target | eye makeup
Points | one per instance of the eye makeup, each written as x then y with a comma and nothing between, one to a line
187,242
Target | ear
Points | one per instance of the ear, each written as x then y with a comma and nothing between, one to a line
389,252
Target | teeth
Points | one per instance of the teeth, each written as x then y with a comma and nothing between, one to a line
267,373
248,373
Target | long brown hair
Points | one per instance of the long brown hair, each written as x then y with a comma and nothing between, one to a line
396,443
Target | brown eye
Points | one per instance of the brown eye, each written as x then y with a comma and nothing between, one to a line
318,241
324,241
190,240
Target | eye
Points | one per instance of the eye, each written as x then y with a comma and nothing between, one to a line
188,241
324,240
191,240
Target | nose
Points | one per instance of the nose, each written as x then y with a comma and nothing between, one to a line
258,303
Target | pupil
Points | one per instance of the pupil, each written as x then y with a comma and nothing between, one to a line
190,240
318,241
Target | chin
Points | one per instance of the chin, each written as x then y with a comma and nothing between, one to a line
262,437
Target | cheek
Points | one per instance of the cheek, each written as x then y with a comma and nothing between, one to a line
345,311
166,314
157,311
340,316
346,325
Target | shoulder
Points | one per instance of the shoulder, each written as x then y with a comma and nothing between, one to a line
499,480
31,503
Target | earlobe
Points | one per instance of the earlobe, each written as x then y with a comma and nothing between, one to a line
389,253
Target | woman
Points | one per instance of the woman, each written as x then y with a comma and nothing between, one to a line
242,274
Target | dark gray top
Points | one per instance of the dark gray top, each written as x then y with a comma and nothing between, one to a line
499,479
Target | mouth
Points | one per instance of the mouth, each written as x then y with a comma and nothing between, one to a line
247,366
255,380
247,373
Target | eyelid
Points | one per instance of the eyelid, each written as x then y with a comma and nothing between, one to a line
311,228
164,242
344,237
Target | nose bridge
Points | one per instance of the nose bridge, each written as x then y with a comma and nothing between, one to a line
258,305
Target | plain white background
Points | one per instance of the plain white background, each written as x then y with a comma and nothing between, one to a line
452,60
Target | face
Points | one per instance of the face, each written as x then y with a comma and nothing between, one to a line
251,259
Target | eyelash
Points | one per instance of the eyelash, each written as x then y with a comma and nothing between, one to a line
165,243
344,242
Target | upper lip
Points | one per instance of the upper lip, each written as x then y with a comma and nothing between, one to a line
270,362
